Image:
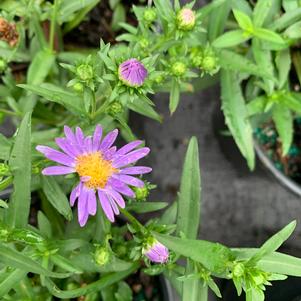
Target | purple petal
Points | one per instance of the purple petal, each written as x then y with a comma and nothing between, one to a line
109,154
67,147
131,157
128,147
117,197
129,180
88,144
57,170
75,194
82,206
106,206
92,205
136,170
79,136
108,140
97,137
69,134
121,188
113,205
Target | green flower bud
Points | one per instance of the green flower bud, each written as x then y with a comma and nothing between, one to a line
259,279
4,169
101,255
178,69
186,19
149,15
209,63
115,108
78,87
159,79
238,270
144,43
4,234
84,72
141,193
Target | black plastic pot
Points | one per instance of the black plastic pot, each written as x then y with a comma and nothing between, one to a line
288,290
281,177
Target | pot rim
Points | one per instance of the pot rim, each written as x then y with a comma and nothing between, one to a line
281,177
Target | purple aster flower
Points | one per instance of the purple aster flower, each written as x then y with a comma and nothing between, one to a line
132,73
103,170
156,252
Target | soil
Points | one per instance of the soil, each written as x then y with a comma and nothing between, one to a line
290,164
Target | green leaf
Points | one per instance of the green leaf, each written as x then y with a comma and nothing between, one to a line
243,20
273,263
65,264
56,196
5,147
40,67
286,20
205,10
44,225
124,292
98,285
20,261
235,111
284,124
261,11
59,95
10,281
293,32
231,38
290,4
119,15
292,101
170,214
242,5
174,96
213,256
145,207
283,63
20,166
256,105
191,287
189,202
143,108
273,243
230,60
268,35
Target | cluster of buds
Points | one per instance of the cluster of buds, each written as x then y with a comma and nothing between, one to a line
8,32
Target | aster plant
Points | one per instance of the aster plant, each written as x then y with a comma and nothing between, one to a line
70,221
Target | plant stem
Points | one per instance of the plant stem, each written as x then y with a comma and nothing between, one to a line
53,25
133,220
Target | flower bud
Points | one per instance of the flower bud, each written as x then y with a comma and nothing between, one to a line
196,57
238,270
178,69
186,19
101,255
132,73
155,251
209,63
141,193
144,43
149,15
84,72
3,65
159,79
115,108
78,87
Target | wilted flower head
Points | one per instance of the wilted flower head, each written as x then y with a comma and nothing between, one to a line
103,170
132,73
186,19
8,32
156,252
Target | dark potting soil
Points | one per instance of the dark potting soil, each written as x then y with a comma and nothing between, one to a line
98,25
269,140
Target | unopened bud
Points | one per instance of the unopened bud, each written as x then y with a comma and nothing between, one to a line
186,19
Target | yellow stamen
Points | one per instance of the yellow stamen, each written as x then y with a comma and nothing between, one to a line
95,167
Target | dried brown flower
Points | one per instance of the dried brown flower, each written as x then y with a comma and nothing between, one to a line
8,32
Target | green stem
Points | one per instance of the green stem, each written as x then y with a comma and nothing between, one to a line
133,220
53,25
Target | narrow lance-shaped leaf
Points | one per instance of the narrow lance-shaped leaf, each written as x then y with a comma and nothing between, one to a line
20,165
189,202
174,96
243,20
273,243
261,11
283,120
283,63
56,196
14,276
235,111
231,38
191,289
213,256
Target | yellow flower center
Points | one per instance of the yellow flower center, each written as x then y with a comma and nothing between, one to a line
95,167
